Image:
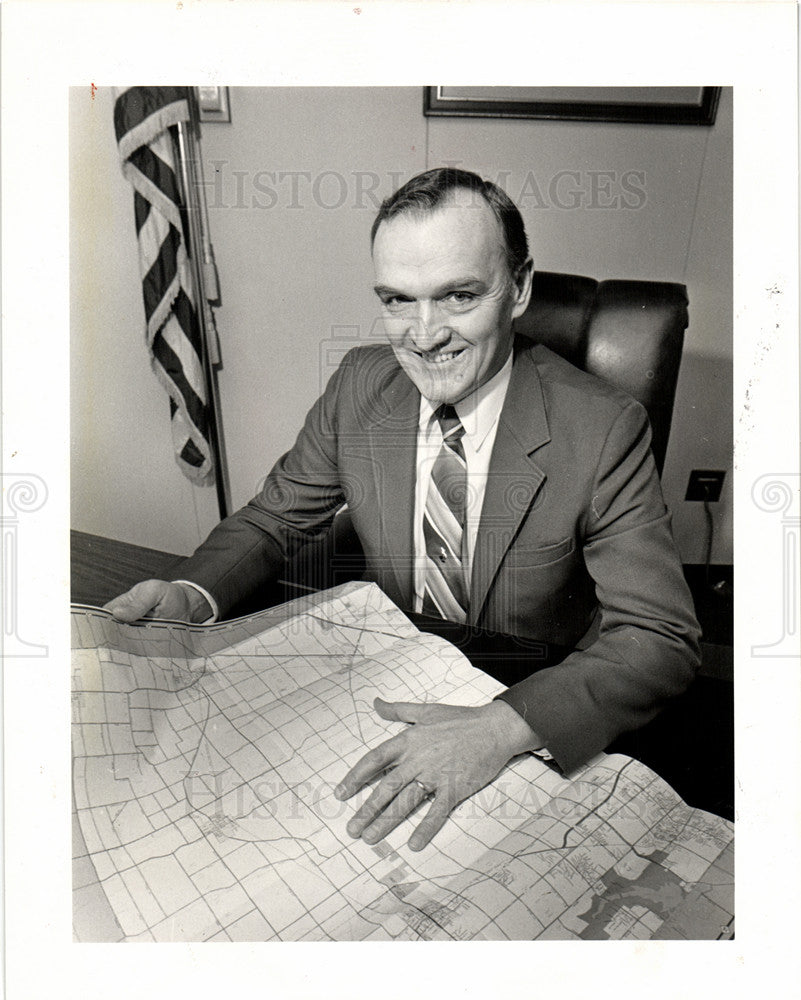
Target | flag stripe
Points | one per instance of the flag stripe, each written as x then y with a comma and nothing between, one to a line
186,353
190,454
171,365
155,230
142,113
134,105
182,434
145,186
141,211
185,313
161,274
156,171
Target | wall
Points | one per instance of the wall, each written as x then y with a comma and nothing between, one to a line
292,185
702,431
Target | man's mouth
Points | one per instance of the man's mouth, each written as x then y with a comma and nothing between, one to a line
441,357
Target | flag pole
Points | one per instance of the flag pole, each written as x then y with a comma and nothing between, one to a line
198,240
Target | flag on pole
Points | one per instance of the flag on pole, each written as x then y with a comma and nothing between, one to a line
142,119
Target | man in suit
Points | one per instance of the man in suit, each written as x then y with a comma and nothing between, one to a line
489,481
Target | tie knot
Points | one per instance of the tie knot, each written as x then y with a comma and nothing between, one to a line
449,423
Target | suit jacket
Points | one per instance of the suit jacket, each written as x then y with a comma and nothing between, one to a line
573,518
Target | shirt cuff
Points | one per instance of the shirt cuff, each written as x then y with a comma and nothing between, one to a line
542,752
215,611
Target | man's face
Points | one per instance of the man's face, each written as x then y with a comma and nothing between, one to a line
448,297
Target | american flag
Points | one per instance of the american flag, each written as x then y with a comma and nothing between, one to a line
143,117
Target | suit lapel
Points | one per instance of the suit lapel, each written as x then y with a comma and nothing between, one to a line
393,446
514,477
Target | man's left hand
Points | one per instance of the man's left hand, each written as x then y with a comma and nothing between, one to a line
448,752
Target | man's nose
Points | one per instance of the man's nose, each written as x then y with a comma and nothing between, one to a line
429,328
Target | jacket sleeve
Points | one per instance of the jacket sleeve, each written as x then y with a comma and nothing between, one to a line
296,504
647,647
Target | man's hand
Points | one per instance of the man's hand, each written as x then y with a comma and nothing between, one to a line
449,751
159,599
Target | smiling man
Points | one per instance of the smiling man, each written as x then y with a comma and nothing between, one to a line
450,292
489,482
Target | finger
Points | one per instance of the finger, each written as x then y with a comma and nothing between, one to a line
367,767
432,823
415,711
164,607
120,608
381,796
403,805
402,711
133,604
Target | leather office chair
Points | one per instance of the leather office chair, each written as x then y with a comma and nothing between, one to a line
629,333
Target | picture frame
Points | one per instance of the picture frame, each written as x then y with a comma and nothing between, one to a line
636,105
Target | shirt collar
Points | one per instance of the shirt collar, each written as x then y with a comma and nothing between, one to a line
480,410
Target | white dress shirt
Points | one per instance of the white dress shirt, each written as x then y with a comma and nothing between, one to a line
479,414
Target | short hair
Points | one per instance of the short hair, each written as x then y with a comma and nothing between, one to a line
426,191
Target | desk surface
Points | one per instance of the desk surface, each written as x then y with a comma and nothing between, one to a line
690,744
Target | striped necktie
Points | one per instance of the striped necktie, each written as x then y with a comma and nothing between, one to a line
446,587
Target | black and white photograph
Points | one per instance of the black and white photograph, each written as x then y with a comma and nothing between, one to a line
406,423
509,455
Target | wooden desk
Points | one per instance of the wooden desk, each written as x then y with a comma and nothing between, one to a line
101,568
690,744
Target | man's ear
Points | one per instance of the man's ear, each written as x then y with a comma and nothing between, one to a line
522,281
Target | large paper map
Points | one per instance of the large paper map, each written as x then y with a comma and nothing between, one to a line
204,762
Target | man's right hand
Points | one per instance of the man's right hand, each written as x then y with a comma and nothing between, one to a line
159,599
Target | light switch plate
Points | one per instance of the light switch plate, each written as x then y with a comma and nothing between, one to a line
213,104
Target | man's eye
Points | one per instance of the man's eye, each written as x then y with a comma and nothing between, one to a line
394,303
460,298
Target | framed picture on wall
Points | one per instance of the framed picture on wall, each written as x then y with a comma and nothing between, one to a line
643,105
